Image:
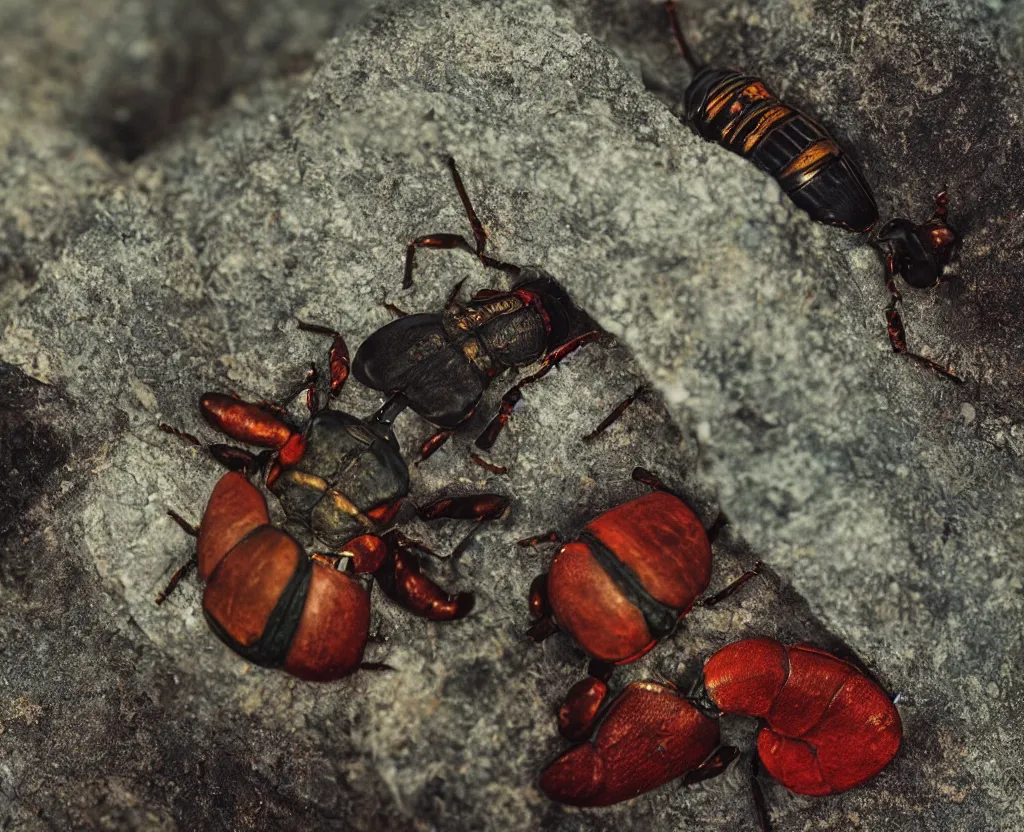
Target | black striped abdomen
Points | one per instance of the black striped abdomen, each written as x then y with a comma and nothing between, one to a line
740,113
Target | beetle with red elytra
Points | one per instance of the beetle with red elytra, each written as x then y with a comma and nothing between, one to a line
621,585
341,480
826,727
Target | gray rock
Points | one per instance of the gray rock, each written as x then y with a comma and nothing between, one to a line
181,186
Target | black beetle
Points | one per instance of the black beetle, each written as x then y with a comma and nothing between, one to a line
441,363
740,113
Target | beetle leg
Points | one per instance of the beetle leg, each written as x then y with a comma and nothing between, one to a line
578,711
677,31
231,457
338,360
396,538
480,507
253,423
443,241
758,795
367,552
508,402
898,334
652,480
449,241
544,626
732,587
186,567
307,386
614,416
490,435
541,630
721,521
401,580
433,443
453,296
488,466
376,666
714,765
533,542
479,234
487,294
173,431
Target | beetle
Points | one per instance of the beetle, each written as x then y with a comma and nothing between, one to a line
650,735
340,480
827,726
442,363
739,112
620,586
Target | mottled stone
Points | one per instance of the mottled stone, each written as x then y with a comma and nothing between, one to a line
182,181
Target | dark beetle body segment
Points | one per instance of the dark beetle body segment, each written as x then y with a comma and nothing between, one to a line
347,470
441,364
741,114
919,252
415,356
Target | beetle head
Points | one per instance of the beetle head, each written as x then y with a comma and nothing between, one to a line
919,252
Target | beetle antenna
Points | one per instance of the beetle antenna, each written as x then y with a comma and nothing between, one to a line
677,30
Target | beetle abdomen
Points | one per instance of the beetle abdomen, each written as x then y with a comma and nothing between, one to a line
514,340
267,600
650,736
415,356
741,114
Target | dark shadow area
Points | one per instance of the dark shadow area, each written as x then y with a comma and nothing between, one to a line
199,55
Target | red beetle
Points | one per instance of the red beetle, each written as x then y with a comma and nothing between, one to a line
270,602
828,727
624,583
649,736
340,479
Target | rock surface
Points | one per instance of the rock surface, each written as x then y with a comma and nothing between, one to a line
182,181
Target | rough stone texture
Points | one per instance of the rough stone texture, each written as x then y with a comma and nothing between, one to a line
180,184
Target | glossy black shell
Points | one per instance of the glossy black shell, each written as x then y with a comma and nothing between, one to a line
914,258
835,193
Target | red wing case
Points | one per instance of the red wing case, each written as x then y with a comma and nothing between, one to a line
650,736
633,573
828,726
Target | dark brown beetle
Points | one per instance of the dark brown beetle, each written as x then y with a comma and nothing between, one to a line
441,364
